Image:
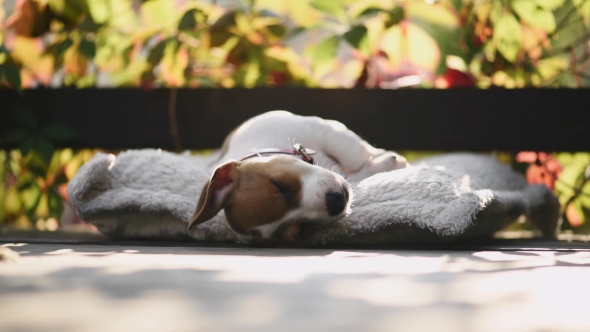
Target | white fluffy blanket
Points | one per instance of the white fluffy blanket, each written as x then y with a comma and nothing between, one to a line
153,194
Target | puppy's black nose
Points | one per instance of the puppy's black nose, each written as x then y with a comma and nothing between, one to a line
335,202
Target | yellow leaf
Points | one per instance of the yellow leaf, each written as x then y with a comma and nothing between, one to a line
174,64
375,28
533,41
302,13
582,158
99,10
123,16
549,68
29,51
159,14
12,203
2,14
508,36
482,10
411,44
432,13
564,158
500,78
74,62
358,7
276,6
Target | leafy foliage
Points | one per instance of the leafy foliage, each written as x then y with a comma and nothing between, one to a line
364,43
569,176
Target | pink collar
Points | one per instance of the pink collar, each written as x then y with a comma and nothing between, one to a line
298,150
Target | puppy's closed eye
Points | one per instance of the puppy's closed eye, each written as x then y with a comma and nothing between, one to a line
284,189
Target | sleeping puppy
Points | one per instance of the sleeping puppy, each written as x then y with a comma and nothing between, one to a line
274,190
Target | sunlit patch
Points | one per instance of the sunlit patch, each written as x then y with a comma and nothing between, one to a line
496,261
439,319
544,293
384,291
465,183
254,310
60,252
575,258
498,256
14,245
87,308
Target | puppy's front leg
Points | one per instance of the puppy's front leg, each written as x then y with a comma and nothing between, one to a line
357,157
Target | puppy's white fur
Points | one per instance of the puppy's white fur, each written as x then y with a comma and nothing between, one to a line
338,147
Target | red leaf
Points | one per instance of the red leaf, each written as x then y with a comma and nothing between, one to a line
573,216
63,191
526,157
454,78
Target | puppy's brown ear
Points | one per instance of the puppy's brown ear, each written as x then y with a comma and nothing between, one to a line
216,193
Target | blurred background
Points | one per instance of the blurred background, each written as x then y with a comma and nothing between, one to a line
363,44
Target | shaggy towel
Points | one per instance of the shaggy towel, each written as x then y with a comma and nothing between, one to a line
153,194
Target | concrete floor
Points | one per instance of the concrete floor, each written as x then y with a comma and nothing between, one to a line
98,287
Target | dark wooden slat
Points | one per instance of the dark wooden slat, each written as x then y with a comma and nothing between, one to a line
459,119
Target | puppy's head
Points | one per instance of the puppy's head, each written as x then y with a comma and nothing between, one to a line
259,195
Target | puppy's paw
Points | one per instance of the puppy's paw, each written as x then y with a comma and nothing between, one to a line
385,162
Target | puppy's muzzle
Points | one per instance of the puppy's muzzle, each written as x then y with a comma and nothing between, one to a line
336,202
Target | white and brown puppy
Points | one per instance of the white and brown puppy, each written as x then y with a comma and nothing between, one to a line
277,196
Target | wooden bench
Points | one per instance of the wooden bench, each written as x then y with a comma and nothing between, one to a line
409,119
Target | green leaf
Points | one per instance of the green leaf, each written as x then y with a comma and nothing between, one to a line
568,179
58,132
68,9
42,208
31,197
220,29
63,46
534,15
27,145
45,149
87,48
324,54
26,185
395,16
253,67
99,10
88,25
369,11
277,30
458,4
11,74
188,20
445,37
330,7
37,169
17,135
55,204
297,31
357,37
12,202
585,196
157,52
550,4
508,36
26,118
583,7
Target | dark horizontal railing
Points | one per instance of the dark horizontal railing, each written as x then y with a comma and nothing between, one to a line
410,119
